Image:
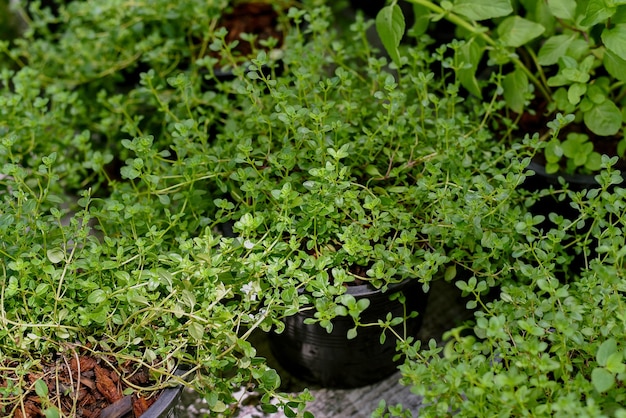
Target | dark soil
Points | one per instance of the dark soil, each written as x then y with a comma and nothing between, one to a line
84,386
259,19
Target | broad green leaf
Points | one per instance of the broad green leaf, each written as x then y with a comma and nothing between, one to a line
422,20
470,53
390,26
352,333
515,86
270,379
594,161
51,412
606,349
615,363
482,9
604,119
553,150
614,65
602,379
55,255
554,48
97,297
620,15
196,331
615,40
516,31
563,9
41,389
597,11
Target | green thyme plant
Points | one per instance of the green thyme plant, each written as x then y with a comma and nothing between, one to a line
69,289
229,197
564,54
544,347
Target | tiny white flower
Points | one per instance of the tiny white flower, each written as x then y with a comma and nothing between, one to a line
250,290
248,244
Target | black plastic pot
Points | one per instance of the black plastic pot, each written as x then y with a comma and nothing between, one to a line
550,204
165,405
308,352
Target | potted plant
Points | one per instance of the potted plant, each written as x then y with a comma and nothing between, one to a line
543,348
338,168
561,57
557,69
360,193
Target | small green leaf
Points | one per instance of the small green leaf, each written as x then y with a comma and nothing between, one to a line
55,255
363,304
575,92
196,330
390,26
289,413
219,407
606,349
450,273
269,408
516,31
602,379
270,379
164,199
482,9
97,297
41,389
351,334
129,173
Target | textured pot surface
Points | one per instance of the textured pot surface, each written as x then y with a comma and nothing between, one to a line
165,405
331,360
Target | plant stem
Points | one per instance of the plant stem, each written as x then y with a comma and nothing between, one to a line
481,32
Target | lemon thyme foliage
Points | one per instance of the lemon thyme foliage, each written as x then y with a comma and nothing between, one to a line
65,287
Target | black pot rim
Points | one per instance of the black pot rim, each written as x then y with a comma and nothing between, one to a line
165,401
364,290
579,179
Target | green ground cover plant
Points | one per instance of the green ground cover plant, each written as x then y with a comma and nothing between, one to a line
543,347
161,215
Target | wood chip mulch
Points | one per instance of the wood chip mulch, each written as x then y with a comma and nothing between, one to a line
83,386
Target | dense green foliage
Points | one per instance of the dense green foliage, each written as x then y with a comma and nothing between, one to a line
158,212
557,56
